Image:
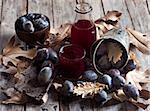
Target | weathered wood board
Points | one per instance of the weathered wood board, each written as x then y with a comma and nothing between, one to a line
136,14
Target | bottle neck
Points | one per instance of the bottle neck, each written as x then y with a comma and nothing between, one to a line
80,16
83,11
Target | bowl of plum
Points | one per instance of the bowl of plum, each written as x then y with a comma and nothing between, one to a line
32,28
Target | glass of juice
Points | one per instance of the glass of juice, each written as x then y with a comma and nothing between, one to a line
72,61
83,31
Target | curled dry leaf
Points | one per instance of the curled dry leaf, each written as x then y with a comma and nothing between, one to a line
140,41
12,51
120,96
145,94
138,104
136,77
57,35
57,85
144,39
28,84
112,15
108,22
15,97
88,88
10,70
114,52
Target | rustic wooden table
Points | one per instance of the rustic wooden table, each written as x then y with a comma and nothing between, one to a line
136,14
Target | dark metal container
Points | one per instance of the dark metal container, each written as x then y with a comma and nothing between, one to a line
119,37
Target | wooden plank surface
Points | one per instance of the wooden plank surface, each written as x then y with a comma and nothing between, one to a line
118,5
11,9
63,11
41,6
136,14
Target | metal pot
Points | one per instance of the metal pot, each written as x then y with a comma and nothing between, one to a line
99,50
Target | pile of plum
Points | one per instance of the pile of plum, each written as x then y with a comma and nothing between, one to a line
32,22
114,78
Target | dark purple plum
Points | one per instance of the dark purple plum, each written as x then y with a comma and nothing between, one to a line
103,63
47,63
40,23
52,56
131,91
28,26
101,96
44,75
131,65
90,75
41,56
67,88
106,79
114,72
118,81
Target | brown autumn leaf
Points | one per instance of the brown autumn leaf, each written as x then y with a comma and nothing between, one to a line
12,51
145,94
144,39
120,96
108,22
136,77
57,85
10,70
87,88
139,40
114,52
112,15
15,97
138,104
57,35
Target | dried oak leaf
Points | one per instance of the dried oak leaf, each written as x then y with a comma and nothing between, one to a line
15,97
120,96
10,70
28,84
144,39
57,85
145,94
139,40
12,51
57,35
136,77
88,88
114,52
112,15
108,22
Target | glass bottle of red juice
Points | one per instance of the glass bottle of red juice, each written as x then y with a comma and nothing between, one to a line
83,31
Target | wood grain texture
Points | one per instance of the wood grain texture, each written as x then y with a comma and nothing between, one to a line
41,6
97,11
148,5
81,105
63,11
119,107
10,11
139,14
11,108
136,14
118,5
